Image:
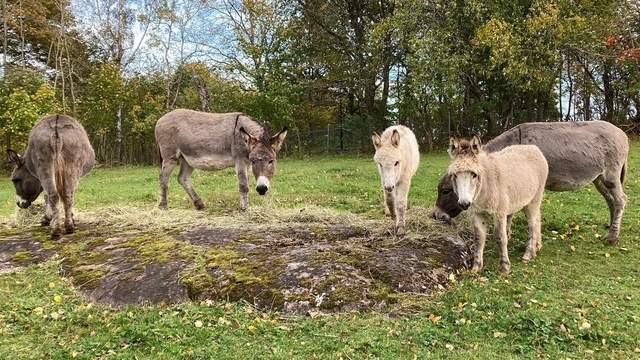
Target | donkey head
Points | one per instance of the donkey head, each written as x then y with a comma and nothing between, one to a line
446,207
262,154
465,169
389,159
28,187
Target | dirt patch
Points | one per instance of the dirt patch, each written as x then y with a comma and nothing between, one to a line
296,268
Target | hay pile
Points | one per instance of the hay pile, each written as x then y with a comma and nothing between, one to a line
418,221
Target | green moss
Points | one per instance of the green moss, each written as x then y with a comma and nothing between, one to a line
318,230
21,257
154,248
247,237
379,293
88,279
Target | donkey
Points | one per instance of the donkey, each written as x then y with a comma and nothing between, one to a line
498,184
578,153
206,141
58,154
397,157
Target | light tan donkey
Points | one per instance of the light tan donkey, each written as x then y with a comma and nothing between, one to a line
497,185
397,157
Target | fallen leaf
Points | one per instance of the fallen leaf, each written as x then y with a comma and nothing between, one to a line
57,298
584,326
607,255
198,323
516,305
434,319
573,248
499,334
449,346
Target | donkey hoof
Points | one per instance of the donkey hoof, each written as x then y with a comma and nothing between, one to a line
612,240
400,232
70,230
199,204
55,234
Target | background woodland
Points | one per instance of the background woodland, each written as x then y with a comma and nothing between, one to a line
328,69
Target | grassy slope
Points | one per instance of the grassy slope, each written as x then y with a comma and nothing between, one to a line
577,299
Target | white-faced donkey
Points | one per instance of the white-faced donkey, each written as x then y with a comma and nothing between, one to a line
397,157
498,184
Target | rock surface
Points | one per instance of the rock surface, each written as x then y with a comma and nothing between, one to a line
295,269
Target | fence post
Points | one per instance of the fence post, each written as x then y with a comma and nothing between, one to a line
327,138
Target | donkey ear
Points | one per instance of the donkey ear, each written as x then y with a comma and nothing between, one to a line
377,141
248,139
277,139
14,158
476,144
454,146
395,138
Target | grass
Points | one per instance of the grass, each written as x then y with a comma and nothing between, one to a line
577,299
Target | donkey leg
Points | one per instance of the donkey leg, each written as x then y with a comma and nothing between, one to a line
534,239
46,219
479,233
67,200
390,203
611,189
242,173
163,180
402,194
184,178
51,208
500,237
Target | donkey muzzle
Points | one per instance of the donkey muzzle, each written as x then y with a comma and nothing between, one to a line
22,203
464,204
262,185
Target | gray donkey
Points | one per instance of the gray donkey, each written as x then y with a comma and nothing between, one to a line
58,154
206,141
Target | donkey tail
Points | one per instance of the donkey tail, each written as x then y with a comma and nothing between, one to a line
58,162
623,172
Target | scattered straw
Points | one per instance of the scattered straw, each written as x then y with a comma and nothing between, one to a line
418,221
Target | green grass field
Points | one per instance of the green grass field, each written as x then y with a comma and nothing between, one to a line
577,299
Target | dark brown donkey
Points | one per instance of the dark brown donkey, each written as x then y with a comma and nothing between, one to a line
578,153
58,154
199,140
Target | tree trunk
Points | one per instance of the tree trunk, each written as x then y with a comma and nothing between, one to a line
203,92
117,148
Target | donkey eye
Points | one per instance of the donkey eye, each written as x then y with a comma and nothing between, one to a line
397,163
446,192
475,175
270,161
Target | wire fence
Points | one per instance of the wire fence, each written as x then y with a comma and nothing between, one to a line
328,141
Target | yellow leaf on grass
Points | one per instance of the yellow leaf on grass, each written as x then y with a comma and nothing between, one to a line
434,319
57,298
198,324
498,334
607,255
